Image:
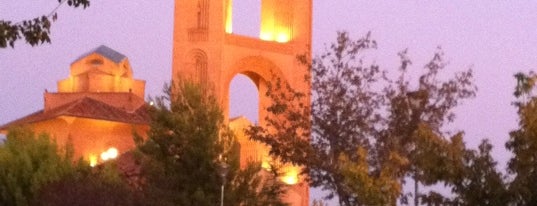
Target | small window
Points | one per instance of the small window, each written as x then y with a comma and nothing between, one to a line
95,62
202,14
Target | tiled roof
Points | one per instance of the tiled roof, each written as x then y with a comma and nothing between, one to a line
86,108
106,52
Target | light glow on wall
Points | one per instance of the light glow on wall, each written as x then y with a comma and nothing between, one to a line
276,21
265,161
283,37
290,177
266,36
229,17
280,37
92,160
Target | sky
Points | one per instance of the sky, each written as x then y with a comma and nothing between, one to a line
495,39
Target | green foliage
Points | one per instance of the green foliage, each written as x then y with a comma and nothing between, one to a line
27,163
35,31
183,146
524,84
243,192
472,177
380,189
186,141
481,183
102,185
393,124
523,144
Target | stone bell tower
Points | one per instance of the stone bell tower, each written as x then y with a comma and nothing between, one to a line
207,51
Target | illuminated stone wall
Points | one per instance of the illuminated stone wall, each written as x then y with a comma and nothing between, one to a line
213,55
91,137
96,73
98,107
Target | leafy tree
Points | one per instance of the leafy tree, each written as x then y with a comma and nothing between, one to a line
523,144
27,163
35,31
341,85
245,181
361,126
186,141
380,189
473,179
418,112
102,185
481,183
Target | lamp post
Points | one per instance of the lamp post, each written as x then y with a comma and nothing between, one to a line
222,169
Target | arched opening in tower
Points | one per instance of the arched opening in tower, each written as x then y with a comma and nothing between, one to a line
246,17
243,112
243,98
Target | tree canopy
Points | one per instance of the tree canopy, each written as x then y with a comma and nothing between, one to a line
28,162
523,143
186,143
364,132
34,31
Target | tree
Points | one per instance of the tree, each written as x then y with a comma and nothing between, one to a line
379,189
473,178
361,126
35,31
27,163
418,112
480,183
523,143
102,185
186,141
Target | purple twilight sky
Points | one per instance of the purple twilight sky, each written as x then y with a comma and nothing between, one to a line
496,39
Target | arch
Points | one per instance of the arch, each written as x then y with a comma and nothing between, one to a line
243,98
261,71
258,68
197,62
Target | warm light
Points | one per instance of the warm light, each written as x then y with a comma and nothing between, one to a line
229,17
109,154
290,177
282,37
270,34
92,160
104,156
265,165
266,36
276,22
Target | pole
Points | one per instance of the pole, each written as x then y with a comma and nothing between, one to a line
416,200
222,168
222,196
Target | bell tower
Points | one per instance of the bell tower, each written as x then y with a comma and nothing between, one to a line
206,50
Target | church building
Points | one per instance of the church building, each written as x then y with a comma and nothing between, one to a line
100,105
97,107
